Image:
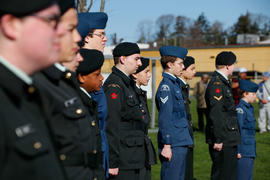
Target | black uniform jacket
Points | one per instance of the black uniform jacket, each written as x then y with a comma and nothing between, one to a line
75,131
185,94
222,126
125,123
26,148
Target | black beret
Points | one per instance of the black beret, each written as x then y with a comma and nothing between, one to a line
92,61
145,63
65,5
126,49
188,61
225,58
23,7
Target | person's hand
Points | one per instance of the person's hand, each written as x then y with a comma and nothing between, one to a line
217,146
239,156
167,152
113,171
264,101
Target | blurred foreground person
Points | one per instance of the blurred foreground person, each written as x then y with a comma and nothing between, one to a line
76,132
26,145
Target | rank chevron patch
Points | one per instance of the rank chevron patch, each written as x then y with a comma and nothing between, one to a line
218,98
164,100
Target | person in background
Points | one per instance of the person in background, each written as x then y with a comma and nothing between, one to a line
222,131
92,30
173,136
247,124
235,84
188,74
141,78
199,93
264,103
29,42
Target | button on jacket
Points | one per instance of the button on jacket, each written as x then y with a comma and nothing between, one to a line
247,124
222,126
125,126
26,147
77,139
173,124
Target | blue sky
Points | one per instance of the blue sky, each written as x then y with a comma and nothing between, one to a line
124,15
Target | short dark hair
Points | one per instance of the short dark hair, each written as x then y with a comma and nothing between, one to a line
89,34
116,60
165,59
220,66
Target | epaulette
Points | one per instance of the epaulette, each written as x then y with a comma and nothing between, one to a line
114,85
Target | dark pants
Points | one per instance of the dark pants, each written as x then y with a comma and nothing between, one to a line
201,112
133,174
174,169
224,165
245,169
189,164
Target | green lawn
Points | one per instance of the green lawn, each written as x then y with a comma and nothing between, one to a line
202,162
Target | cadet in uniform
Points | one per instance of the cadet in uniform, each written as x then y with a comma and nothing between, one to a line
126,124
92,30
75,129
187,74
26,146
247,124
173,135
222,132
141,78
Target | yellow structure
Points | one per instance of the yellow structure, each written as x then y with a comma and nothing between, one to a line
252,57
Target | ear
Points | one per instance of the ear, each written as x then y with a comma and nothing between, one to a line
10,26
81,78
169,65
122,59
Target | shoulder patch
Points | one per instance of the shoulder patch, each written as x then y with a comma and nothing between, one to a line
114,85
113,95
216,83
240,110
218,98
217,90
164,100
165,87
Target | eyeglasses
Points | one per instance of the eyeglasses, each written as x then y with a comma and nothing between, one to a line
101,35
52,20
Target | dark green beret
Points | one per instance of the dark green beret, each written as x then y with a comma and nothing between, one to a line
65,5
23,7
188,61
145,63
92,61
225,58
126,49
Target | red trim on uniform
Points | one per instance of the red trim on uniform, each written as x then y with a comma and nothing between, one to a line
113,95
217,90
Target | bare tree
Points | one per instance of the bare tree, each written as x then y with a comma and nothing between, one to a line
145,31
164,24
82,5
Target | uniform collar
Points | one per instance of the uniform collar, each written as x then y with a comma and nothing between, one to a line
85,92
223,75
127,80
169,76
53,73
245,103
60,67
184,82
19,73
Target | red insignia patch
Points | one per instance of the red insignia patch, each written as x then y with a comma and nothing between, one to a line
113,95
217,90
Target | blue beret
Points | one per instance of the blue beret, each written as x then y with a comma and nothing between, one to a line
23,7
91,20
248,86
145,63
266,74
92,61
225,58
175,51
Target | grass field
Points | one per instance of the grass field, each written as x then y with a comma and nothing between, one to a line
202,162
